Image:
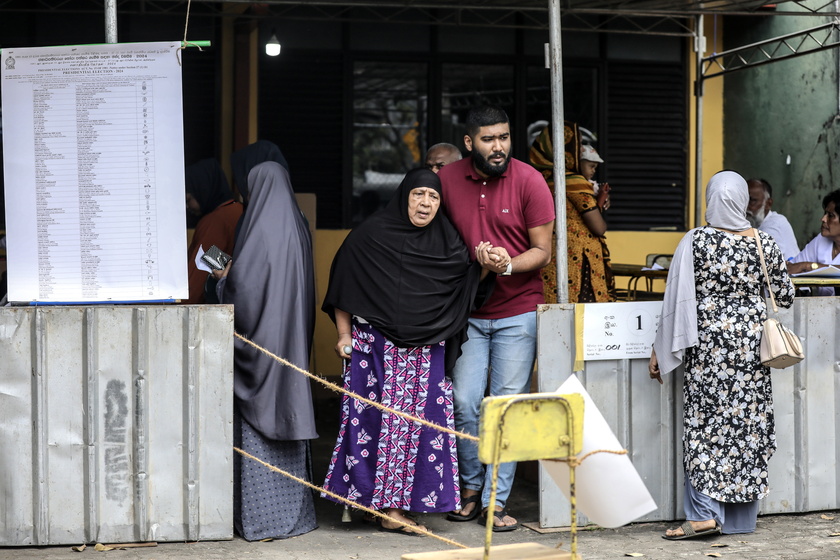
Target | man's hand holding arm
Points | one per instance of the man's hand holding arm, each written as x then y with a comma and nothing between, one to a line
538,256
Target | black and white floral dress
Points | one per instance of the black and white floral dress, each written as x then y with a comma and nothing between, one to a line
729,433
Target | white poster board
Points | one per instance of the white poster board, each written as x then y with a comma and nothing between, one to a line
616,331
94,173
610,491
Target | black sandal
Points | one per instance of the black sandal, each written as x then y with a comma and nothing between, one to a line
501,516
474,499
407,530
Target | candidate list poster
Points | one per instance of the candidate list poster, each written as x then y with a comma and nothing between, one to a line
94,173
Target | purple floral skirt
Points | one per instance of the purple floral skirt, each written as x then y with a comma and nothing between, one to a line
382,460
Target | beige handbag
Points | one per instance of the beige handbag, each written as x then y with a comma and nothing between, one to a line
780,347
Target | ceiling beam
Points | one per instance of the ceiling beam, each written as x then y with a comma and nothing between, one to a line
819,38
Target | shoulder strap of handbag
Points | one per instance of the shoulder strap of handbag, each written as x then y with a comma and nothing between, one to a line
764,269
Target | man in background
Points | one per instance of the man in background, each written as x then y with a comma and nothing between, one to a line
761,216
441,154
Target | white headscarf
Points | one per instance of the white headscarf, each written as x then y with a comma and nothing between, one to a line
678,321
727,197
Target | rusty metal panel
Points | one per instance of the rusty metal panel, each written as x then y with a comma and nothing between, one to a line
116,424
647,417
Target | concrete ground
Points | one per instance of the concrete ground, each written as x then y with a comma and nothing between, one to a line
813,536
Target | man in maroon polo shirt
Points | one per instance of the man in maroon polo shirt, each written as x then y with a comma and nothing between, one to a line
494,198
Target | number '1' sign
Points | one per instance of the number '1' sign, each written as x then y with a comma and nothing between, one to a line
614,331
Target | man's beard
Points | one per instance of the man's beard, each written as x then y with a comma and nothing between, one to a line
488,168
757,218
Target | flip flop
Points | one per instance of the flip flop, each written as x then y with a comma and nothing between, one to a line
474,499
482,520
403,530
690,533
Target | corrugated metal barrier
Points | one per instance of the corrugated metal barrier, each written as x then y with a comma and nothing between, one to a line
116,424
647,417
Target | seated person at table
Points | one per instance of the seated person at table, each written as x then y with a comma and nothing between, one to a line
824,249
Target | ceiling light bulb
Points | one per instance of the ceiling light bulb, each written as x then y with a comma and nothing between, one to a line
272,47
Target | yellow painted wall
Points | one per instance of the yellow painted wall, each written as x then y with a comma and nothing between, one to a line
712,115
327,242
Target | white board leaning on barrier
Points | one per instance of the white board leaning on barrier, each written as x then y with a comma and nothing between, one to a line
609,490
94,171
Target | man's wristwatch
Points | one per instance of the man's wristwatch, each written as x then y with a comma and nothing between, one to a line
814,266
508,270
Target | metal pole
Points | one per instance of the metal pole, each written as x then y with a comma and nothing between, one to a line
557,136
110,21
699,41
837,7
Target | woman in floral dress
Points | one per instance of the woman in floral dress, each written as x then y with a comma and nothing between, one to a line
711,322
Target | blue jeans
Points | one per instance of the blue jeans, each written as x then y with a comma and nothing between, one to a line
504,348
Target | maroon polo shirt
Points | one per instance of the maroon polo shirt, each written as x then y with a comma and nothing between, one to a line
500,210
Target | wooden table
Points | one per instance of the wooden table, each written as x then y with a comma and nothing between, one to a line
635,273
815,281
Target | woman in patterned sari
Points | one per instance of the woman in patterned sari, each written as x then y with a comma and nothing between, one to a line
590,277
401,289
711,322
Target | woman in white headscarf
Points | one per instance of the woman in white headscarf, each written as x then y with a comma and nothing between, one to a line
711,323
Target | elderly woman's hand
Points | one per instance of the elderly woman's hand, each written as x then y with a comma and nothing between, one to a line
345,342
653,367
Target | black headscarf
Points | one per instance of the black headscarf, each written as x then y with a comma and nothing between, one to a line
415,284
206,181
272,288
242,161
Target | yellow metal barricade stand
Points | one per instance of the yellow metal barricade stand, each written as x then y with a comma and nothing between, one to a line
524,428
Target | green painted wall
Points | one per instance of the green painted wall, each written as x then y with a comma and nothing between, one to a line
785,108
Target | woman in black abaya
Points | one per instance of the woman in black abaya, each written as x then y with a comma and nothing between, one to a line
270,282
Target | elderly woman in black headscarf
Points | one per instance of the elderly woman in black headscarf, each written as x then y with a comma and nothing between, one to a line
711,322
270,282
401,289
